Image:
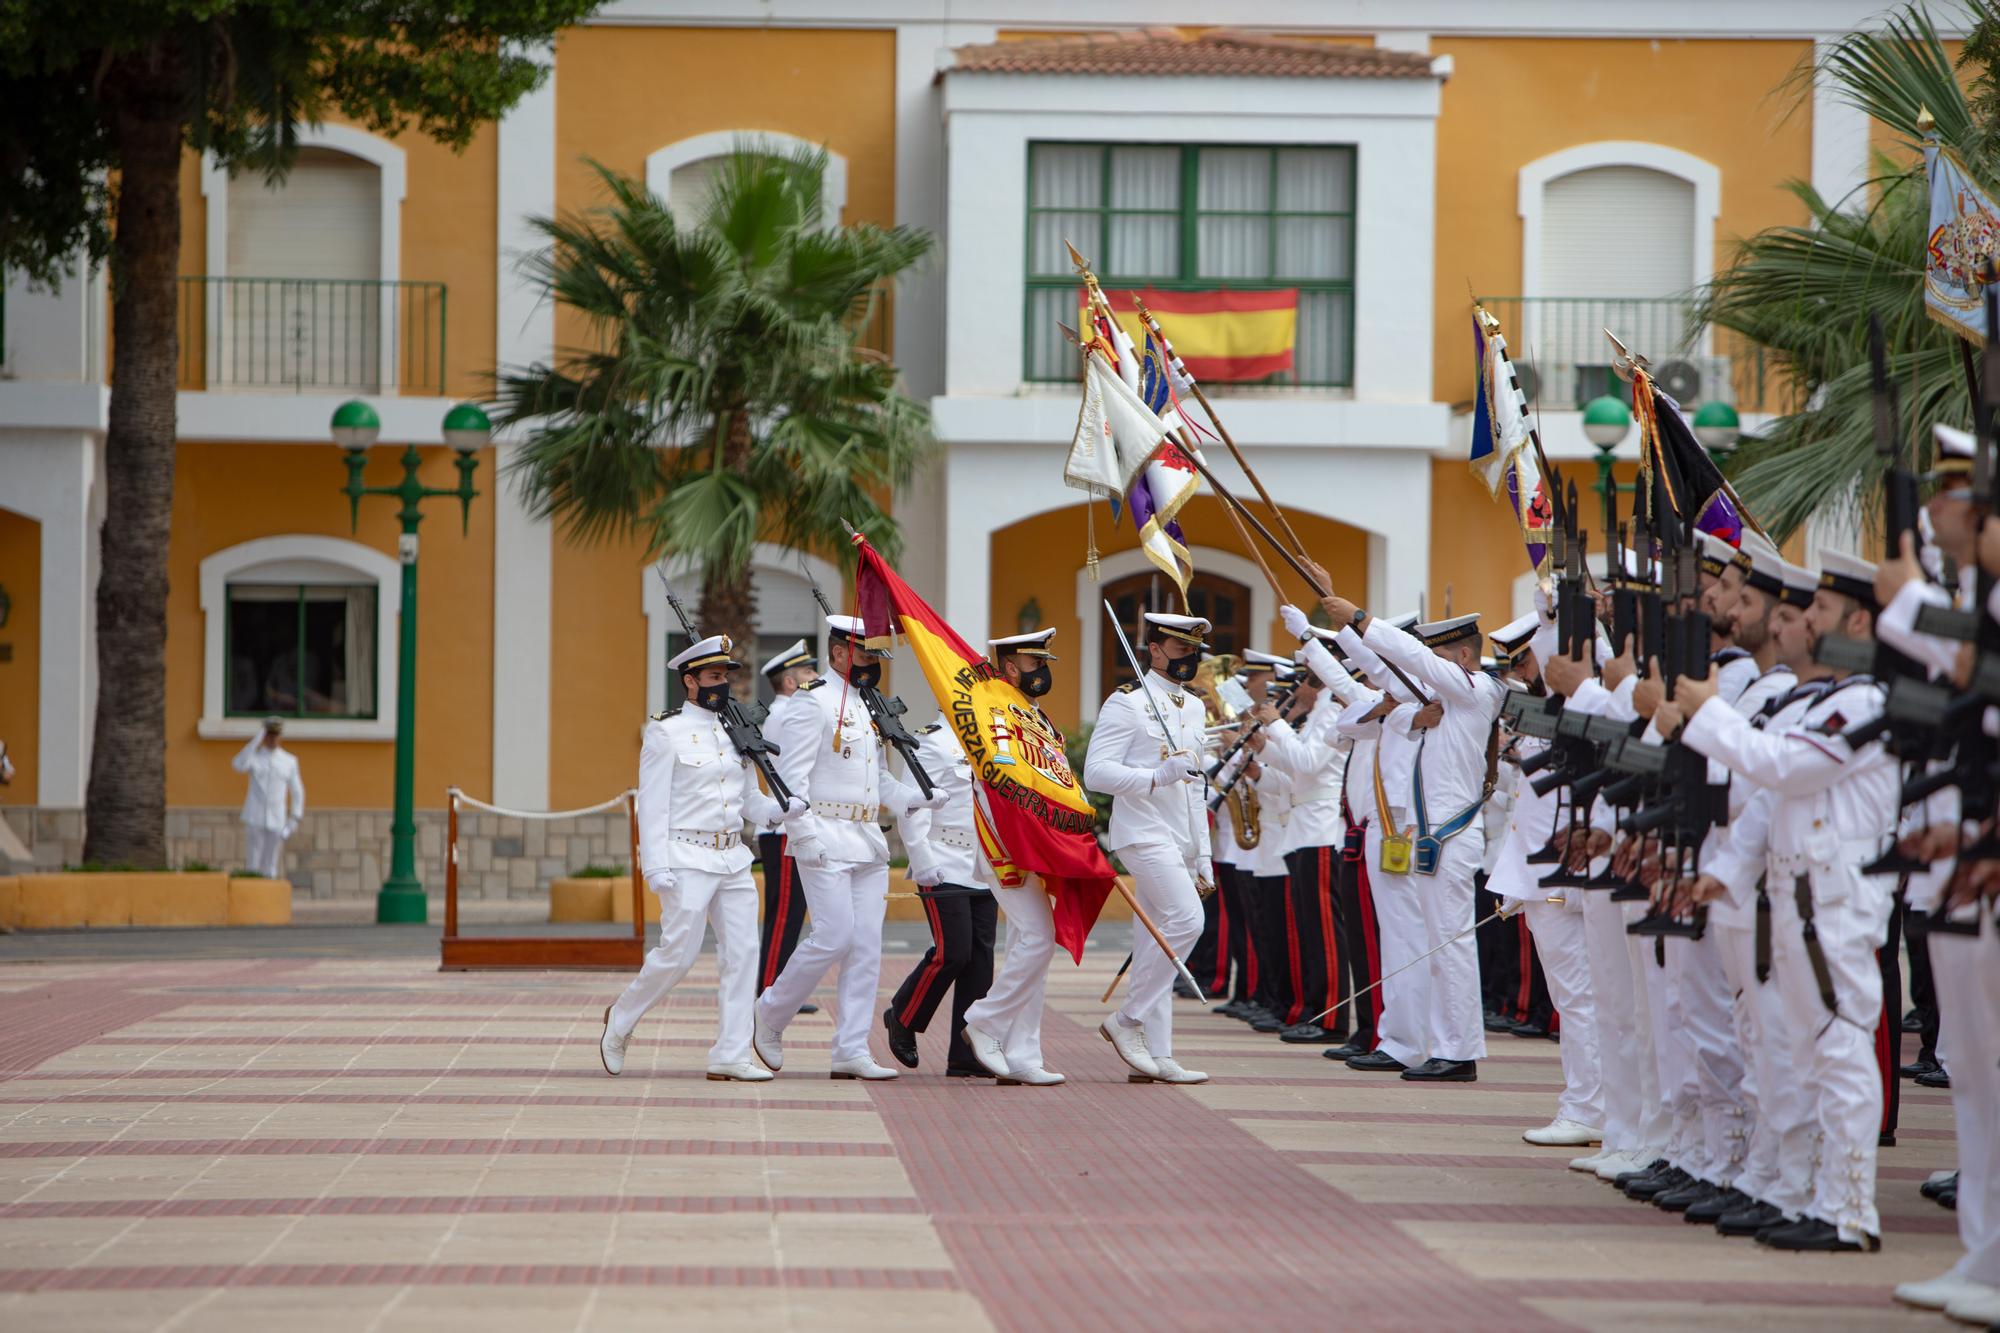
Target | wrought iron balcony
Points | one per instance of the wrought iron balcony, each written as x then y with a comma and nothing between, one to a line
312,335
1558,345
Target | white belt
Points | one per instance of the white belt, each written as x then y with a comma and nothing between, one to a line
960,838
720,842
1854,852
852,811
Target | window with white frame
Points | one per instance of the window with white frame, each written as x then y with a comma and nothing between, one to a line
300,626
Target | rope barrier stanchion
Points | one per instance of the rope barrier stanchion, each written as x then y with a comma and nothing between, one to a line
463,953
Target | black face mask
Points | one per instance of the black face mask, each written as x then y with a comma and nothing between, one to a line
1182,669
864,677
712,697
1038,682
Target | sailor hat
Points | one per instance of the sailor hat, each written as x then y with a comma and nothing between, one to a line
797,655
1254,660
1716,554
1188,629
853,630
1953,459
1753,541
1849,574
1033,644
711,651
1511,639
1442,633
1801,582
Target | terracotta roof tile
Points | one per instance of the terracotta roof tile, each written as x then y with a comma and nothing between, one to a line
1165,51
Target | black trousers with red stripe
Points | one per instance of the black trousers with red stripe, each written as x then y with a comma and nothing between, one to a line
1238,954
1208,961
1889,1031
1499,954
960,959
1313,923
1360,945
1265,900
784,909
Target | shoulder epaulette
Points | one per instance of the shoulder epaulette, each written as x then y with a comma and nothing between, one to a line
1128,687
675,711
927,730
812,684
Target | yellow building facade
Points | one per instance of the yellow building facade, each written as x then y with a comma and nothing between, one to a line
1576,166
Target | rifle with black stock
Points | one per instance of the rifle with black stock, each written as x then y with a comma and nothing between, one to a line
741,722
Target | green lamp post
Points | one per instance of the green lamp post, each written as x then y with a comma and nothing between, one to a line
1606,423
466,430
1718,428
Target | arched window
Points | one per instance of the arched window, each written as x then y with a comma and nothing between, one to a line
300,626
1224,603
785,611
683,173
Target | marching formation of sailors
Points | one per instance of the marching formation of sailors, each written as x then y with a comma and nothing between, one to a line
1318,834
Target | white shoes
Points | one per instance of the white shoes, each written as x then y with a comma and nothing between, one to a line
1170,1072
1940,1292
766,1041
1037,1077
1561,1133
864,1067
1980,1308
1590,1163
987,1051
1618,1163
741,1071
1130,1043
611,1048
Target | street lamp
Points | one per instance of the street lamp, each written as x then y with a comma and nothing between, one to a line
1718,428
466,430
1606,423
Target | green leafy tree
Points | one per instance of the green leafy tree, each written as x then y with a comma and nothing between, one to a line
98,103
723,395
1806,293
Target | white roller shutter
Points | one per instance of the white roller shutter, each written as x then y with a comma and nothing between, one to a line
303,308
1617,232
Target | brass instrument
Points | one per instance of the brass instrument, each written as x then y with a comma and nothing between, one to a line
1244,815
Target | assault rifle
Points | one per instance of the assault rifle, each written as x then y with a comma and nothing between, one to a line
741,722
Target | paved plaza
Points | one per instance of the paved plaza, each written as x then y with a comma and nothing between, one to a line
358,1141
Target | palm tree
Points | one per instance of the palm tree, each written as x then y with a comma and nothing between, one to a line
724,397
1805,294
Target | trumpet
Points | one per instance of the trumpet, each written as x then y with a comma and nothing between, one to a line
1244,815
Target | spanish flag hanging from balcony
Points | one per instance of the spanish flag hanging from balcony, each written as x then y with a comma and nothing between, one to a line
1224,336
1032,815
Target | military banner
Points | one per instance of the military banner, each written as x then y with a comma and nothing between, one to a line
1961,242
1032,814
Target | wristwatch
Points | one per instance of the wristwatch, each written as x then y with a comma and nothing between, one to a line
1360,614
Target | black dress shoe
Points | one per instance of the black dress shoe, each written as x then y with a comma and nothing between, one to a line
1917,1068
1652,1168
808,1008
1227,1008
1710,1210
1376,1062
1496,1023
1936,1078
1648,1188
1444,1071
1949,1198
1810,1233
1885,1140
902,1041
1252,1012
1305,1034
1931,1189
1680,1200
1529,1030
1269,1022
1183,991
1749,1221
954,1072
1913,1021
1345,1051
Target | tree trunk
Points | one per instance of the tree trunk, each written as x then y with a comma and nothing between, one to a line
728,599
126,806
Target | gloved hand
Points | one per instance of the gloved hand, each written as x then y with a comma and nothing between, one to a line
1176,768
937,800
807,851
661,882
794,810
1544,604
1197,868
928,878
1296,623
291,827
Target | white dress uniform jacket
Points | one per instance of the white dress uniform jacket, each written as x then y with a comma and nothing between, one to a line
1126,746
847,786
1315,755
694,792
944,840
274,776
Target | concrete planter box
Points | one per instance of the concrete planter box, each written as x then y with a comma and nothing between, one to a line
586,899
141,898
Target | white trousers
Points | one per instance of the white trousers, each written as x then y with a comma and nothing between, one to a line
263,850
1455,1028
1403,1030
699,897
1161,882
1966,972
1769,1089
1559,943
1836,1055
1633,1119
847,901
1708,1007
1672,1058
1011,1010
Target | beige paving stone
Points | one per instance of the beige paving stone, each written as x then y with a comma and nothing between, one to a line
1235,1099
1673,1316
800,1240
290,1309
1374,1136
69,1179
1611,1254
100,1311
787,1177
397,1177
1524,1186
491,1309
758,1310
328,1239
502,1238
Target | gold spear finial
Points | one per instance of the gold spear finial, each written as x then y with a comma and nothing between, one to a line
1926,122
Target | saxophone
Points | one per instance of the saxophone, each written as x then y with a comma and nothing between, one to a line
1244,815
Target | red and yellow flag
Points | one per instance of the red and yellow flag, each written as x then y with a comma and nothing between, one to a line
1035,817
1224,336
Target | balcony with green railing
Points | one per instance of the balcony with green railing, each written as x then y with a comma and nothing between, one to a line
1558,345
312,335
